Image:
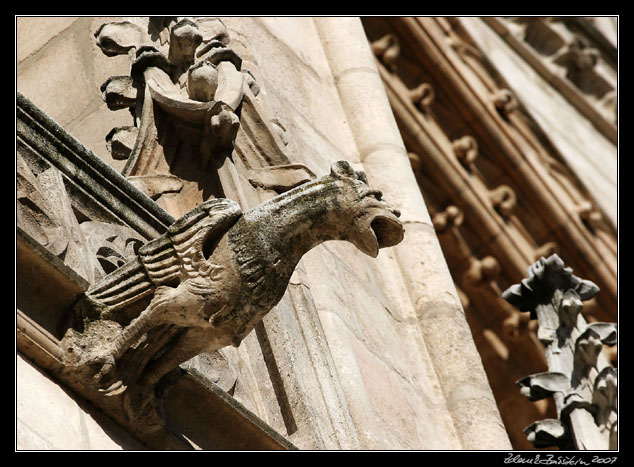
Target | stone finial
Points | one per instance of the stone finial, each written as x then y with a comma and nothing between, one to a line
580,379
178,63
545,277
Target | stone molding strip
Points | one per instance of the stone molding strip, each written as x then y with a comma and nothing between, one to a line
45,136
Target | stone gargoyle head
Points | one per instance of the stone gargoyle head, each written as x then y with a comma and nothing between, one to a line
373,223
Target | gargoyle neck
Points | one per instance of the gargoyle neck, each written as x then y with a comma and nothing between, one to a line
293,223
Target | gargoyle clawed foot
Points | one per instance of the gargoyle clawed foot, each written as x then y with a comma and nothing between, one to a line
105,374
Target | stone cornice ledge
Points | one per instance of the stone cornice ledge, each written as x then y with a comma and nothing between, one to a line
102,182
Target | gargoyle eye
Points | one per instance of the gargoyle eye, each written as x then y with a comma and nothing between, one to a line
376,194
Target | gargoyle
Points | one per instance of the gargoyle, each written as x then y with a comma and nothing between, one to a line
214,274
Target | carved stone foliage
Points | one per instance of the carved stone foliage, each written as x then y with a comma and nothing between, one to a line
185,87
196,111
69,226
208,281
581,381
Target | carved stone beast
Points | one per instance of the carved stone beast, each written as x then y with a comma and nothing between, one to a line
213,275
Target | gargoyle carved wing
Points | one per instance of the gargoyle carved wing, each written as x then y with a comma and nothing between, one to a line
176,255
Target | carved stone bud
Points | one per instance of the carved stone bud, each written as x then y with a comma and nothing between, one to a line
159,26
547,433
587,349
609,102
224,127
542,385
465,149
580,57
518,325
540,34
202,81
569,309
120,141
503,200
387,50
447,219
504,101
422,96
604,397
590,216
184,39
217,52
213,29
148,56
589,344
482,271
118,92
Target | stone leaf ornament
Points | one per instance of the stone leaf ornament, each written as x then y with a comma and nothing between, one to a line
211,278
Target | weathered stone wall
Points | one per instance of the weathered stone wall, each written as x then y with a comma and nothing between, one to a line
50,418
361,353
60,69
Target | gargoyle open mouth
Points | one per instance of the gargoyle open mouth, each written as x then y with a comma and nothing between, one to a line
379,231
388,230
